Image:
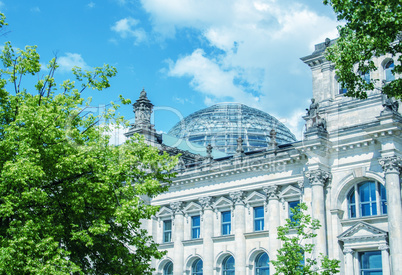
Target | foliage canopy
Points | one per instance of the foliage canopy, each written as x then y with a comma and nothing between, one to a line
373,28
296,236
70,203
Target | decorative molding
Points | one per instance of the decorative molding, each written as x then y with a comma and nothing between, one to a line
271,191
206,202
177,207
300,184
383,247
237,197
348,250
318,177
391,164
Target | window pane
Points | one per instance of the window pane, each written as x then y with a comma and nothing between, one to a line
196,220
195,227
370,262
292,205
259,218
168,269
226,222
226,216
167,231
383,195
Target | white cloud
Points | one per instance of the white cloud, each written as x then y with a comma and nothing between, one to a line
68,61
260,43
91,5
126,28
116,134
208,77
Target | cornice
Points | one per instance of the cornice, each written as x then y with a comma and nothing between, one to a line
217,169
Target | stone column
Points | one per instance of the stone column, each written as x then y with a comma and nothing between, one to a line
318,178
273,223
385,259
349,268
392,167
178,235
240,240
208,227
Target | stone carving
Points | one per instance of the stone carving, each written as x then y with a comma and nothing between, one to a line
390,105
237,197
143,109
391,164
239,149
314,121
181,165
177,207
271,191
272,142
348,250
312,111
206,202
318,176
300,183
383,247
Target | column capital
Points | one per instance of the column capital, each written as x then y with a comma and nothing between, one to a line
237,197
318,176
177,207
391,164
206,202
271,191
348,251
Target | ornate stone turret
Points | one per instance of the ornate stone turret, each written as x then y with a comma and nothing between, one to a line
143,109
142,125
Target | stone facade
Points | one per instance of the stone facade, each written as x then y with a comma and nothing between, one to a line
231,207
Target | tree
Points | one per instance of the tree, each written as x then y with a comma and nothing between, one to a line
70,203
372,29
296,236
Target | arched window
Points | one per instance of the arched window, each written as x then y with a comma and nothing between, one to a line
168,269
388,67
365,76
370,197
196,268
262,264
228,266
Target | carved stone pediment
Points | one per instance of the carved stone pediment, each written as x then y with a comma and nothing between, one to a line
222,202
290,192
192,207
362,232
255,197
164,212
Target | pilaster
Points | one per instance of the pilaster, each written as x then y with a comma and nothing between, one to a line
208,247
178,235
392,167
318,178
273,222
240,240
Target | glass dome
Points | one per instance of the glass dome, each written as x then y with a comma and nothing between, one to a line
221,125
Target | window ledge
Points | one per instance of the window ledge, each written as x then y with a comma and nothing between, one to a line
256,234
166,245
193,242
224,238
377,218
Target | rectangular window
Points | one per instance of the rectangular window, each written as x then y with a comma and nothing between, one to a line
195,227
370,263
226,222
167,231
292,205
259,218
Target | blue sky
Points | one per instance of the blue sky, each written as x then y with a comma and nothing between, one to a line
187,54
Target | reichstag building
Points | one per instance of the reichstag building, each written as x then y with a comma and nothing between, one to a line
241,171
